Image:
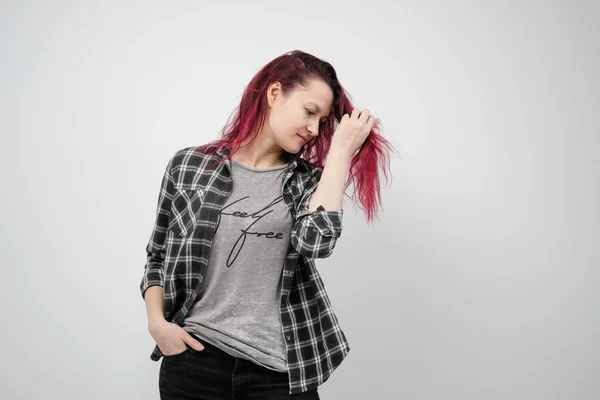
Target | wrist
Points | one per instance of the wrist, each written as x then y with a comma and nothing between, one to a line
338,157
155,320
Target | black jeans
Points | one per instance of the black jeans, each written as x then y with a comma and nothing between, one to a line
212,374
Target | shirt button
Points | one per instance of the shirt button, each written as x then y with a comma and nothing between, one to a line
287,337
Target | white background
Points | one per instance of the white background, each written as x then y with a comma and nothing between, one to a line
480,278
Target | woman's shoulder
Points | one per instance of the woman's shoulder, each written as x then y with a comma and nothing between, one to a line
193,154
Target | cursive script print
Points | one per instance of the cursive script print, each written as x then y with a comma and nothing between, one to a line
254,217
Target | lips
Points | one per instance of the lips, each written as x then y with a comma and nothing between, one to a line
302,137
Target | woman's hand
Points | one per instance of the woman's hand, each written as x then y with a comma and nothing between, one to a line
171,338
352,132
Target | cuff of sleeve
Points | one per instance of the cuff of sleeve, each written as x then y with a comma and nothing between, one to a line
152,278
329,223
146,287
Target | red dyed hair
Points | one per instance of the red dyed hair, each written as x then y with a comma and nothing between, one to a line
298,68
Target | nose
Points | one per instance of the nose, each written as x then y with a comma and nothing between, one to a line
313,129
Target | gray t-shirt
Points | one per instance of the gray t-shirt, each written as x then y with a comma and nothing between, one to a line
237,308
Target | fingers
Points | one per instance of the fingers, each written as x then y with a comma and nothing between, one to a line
364,115
193,343
370,123
361,115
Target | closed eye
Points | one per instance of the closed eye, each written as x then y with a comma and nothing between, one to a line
311,113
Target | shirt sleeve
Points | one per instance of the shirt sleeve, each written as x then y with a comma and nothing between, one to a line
315,233
155,250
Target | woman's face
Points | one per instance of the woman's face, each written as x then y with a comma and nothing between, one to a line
294,119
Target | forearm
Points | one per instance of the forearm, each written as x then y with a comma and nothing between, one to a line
154,304
330,190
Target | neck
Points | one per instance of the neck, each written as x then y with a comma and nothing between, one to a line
263,152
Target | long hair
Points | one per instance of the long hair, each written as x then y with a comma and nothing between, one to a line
297,68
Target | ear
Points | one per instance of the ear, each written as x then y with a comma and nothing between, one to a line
273,92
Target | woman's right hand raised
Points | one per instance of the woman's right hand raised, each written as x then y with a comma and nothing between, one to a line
171,338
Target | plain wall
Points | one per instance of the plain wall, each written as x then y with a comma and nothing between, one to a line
480,278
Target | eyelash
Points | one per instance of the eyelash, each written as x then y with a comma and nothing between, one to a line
311,113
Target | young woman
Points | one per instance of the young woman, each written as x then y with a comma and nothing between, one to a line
235,303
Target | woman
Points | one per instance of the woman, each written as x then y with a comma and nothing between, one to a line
235,303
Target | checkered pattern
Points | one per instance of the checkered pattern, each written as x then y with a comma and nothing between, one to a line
193,191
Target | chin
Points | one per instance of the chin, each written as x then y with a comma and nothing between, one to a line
292,148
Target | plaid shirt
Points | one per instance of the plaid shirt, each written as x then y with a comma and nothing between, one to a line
192,193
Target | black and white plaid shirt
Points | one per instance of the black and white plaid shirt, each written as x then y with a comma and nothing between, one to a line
192,193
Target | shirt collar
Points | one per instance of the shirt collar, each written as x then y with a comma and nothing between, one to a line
294,160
